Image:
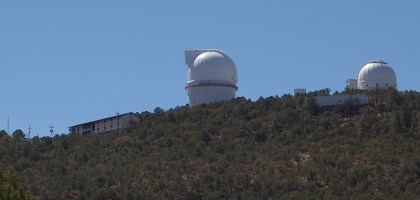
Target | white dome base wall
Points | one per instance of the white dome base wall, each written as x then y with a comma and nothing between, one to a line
372,85
209,94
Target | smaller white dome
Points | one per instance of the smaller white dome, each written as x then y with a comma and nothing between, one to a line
376,74
213,66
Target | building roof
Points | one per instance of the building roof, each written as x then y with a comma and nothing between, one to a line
102,119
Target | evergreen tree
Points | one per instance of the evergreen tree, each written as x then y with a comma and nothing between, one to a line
10,187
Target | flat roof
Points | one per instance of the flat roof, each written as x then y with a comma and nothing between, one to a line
102,119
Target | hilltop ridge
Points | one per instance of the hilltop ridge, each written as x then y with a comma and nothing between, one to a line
273,148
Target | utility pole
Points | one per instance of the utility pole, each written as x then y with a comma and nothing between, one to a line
8,123
51,130
118,120
29,133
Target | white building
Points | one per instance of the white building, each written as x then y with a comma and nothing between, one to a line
212,76
116,122
299,91
351,83
342,99
374,74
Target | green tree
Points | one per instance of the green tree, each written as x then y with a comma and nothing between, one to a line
397,122
2,133
10,187
312,105
158,111
325,92
18,135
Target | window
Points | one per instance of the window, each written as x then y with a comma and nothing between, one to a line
86,133
86,126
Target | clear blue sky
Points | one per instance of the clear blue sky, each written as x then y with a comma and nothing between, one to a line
67,62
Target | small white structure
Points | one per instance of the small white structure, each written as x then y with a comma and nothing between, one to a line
299,91
374,74
351,83
116,122
212,76
342,99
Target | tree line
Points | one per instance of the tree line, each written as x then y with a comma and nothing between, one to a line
271,148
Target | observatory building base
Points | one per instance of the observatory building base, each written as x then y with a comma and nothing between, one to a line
196,95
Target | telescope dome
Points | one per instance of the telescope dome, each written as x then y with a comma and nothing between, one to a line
212,76
213,66
376,74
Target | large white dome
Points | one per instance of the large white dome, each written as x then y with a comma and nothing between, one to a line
213,66
212,76
376,74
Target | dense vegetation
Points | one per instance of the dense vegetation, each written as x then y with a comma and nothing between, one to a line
273,148
10,187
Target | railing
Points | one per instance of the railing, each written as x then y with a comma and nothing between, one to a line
211,83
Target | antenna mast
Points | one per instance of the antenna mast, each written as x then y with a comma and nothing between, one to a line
8,124
51,130
29,134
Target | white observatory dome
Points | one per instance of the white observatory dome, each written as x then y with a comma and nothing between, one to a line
212,76
376,74
213,66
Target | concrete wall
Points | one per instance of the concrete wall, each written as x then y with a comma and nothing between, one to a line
209,94
341,99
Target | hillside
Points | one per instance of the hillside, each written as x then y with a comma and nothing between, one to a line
273,148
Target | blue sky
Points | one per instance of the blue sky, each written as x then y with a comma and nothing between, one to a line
66,62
